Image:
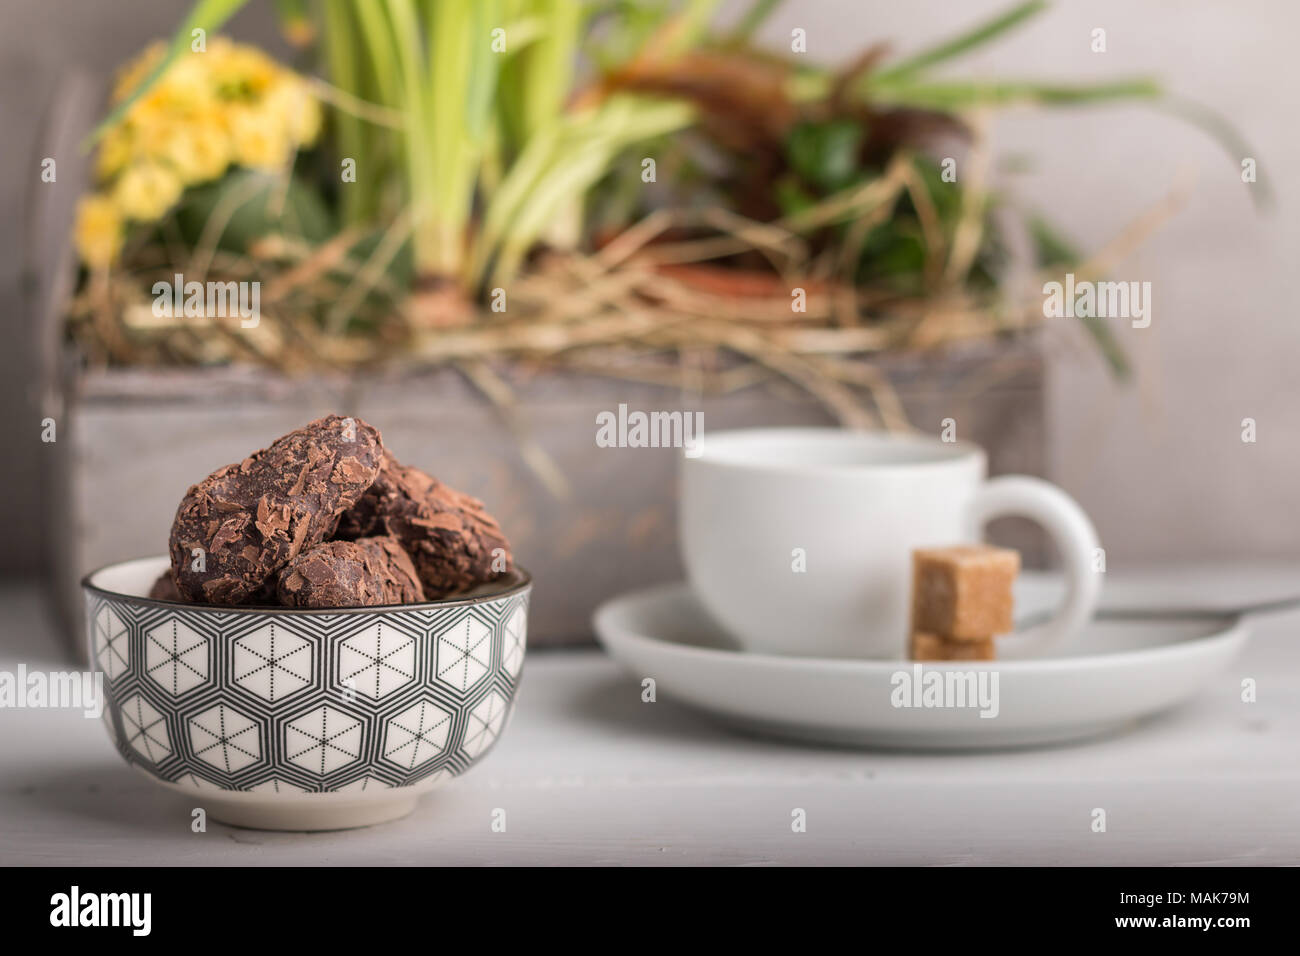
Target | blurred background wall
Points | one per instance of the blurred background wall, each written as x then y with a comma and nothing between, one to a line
1159,463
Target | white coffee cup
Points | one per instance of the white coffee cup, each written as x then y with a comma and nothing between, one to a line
849,508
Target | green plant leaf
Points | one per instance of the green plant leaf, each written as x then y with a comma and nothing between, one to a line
303,213
826,154
1109,347
959,95
537,77
1223,132
1053,249
750,21
791,197
963,43
1050,247
557,169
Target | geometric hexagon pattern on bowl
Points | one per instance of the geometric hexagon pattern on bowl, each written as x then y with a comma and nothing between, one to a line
323,740
275,785
273,662
377,660
112,642
464,652
286,703
146,729
176,656
225,738
417,734
516,636
486,720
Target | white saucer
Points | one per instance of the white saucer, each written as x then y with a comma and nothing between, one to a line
1115,672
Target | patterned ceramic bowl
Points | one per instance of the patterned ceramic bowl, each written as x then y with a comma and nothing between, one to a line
290,719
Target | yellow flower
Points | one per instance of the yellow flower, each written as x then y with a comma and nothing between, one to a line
297,108
145,191
229,104
259,138
199,150
183,90
240,73
98,233
115,151
131,75
306,125
151,131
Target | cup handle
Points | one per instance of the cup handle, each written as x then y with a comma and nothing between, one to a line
1075,538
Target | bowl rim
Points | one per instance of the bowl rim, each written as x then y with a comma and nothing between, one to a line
523,584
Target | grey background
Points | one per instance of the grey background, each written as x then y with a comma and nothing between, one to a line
1159,464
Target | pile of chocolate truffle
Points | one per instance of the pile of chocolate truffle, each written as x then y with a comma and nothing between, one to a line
326,517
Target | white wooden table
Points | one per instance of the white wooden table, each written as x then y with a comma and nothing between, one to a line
588,774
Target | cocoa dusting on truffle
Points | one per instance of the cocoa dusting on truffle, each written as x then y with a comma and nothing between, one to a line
252,518
359,573
449,535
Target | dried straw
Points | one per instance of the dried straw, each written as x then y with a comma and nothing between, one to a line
634,309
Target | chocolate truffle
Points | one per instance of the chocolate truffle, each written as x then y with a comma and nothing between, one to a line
164,589
452,540
359,573
250,519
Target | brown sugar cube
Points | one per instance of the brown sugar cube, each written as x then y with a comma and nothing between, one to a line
932,647
963,593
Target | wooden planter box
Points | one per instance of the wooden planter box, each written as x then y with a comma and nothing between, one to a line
131,442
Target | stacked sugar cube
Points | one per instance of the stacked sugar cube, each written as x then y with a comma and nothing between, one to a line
961,601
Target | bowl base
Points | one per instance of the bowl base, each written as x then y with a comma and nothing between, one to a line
300,812
310,815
